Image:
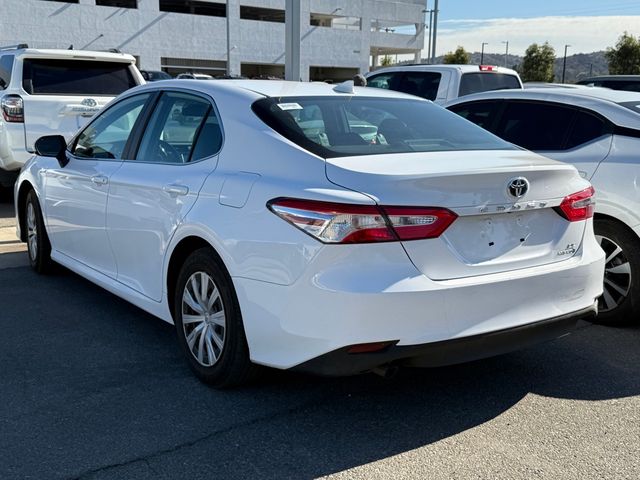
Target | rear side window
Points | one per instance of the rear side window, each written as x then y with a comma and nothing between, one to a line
586,128
421,84
482,114
6,66
627,85
536,126
340,126
383,80
76,77
483,82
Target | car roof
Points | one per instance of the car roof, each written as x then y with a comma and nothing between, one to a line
439,67
72,54
280,88
602,100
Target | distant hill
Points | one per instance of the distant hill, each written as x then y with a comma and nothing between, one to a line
579,66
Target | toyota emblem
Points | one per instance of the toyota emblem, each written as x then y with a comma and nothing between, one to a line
518,187
89,102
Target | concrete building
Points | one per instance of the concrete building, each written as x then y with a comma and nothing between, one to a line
338,37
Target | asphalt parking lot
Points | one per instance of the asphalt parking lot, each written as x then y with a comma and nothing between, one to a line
93,388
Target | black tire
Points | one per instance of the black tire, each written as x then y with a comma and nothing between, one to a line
614,307
38,246
232,367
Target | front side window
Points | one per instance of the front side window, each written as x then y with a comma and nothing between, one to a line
107,136
183,128
483,82
76,77
352,126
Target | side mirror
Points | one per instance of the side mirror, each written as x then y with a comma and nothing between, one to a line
53,146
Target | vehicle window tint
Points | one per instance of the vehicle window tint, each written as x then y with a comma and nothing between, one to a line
350,126
535,126
421,84
627,85
586,127
633,106
76,77
106,136
6,66
209,139
481,113
484,82
383,80
174,128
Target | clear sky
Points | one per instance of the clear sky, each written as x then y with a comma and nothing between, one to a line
586,25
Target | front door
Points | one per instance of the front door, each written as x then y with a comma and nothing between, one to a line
76,194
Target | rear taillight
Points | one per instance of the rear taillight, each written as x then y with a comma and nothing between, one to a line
348,223
578,206
12,108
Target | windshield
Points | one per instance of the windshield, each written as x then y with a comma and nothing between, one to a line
348,126
76,77
484,82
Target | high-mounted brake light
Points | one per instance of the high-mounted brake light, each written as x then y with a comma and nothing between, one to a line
12,108
348,223
578,206
488,68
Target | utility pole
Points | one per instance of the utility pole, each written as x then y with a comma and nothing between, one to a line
434,32
564,62
228,42
292,40
506,53
482,54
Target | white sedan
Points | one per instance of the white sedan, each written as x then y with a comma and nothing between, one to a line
334,230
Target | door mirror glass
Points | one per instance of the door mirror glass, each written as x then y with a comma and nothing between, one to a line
52,146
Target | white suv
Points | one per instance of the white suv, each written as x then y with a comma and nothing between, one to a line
53,91
441,83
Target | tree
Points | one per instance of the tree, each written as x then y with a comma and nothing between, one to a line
624,58
386,61
459,57
537,65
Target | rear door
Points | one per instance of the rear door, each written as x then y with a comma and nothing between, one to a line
63,94
150,195
561,132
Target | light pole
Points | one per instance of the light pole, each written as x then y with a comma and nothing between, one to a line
434,31
564,62
228,43
430,12
482,54
506,53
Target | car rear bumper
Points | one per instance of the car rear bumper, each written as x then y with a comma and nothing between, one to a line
448,352
360,294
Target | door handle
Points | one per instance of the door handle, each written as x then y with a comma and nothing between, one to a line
99,179
175,190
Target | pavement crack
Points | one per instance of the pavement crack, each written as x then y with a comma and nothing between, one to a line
146,458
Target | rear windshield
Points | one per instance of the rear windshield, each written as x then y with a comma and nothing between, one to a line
628,85
350,126
76,77
484,82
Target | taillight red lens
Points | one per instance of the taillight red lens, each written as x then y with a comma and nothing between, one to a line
12,108
347,223
412,223
578,206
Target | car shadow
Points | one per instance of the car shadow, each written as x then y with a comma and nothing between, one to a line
95,388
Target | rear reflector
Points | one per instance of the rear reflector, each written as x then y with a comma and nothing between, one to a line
12,108
578,206
369,347
347,223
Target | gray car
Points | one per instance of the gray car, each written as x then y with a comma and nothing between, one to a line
598,131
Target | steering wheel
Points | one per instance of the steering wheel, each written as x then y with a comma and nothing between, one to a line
168,153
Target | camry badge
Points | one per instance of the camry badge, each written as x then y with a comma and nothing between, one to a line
518,187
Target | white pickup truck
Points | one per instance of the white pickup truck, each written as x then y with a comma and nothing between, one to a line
44,92
442,83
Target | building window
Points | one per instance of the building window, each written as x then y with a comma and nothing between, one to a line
63,1
335,21
262,14
118,3
194,7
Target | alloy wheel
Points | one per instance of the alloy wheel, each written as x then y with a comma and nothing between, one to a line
32,232
617,275
203,319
